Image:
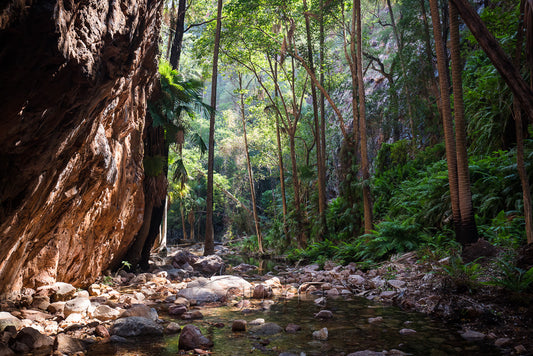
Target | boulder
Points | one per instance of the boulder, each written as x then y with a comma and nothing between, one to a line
191,338
56,307
324,314
104,313
396,283
407,332
77,305
41,302
472,335
215,288
321,334
135,326
69,345
238,325
7,319
140,310
33,339
5,350
292,328
209,265
172,328
268,329
101,330
367,353
62,292
177,309
261,291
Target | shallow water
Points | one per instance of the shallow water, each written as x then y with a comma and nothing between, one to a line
349,331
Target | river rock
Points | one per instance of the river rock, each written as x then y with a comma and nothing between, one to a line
5,350
191,338
140,310
69,345
34,315
268,329
258,321
324,314
238,325
104,313
77,305
7,319
261,291
407,332
501,342
41,302
209,265
33,339
356,280
367,353
62,292
292,328
472,335
101,330
215,288
182,301
396,283
177,309
56,307
375,320
135,326
321,334
172,328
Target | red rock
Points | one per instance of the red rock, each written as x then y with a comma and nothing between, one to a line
191,338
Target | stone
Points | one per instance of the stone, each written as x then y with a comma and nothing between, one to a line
77,305
101,331
34,315
367,353
238,325
177,309
273,282
321,334
195,314
471,335
215,288
501,342
268,329
388,294
62,292
258,321
191,338
9,333
407,332
261,291
182,258
324,314
292,328
56,307
5,350
140,310
104,313
375,320
94,290
396,283
172,328
7,319
333,292
135,326
41,302
120,339
69,345
209,265
182,301
267,304
33,339
520,349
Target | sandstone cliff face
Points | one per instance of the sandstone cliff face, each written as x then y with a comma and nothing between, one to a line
74,79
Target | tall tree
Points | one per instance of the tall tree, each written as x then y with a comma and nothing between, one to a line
209,244
249,166
449,138
468,232
175,53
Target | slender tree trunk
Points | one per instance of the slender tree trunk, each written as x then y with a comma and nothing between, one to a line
320,184
322,100
250,171
497,56
209,244
468,232
367,200
301,236
175,53
520,164
192,222
183,227
449,138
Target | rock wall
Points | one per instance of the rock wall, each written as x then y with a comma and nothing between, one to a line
74,80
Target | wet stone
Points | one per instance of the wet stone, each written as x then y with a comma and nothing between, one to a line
407,332
135,326
172,328
472,335
375,320
191,338
321,334
238,325
292,328
324,314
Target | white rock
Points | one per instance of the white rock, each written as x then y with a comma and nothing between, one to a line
321,334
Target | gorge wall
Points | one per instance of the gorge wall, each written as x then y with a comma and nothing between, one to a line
74,80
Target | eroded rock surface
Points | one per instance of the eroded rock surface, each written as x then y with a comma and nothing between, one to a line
73,87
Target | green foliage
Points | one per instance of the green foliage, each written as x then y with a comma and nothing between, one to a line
512,278
463,276
506,229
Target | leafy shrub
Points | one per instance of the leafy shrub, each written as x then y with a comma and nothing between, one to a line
463,276
512,278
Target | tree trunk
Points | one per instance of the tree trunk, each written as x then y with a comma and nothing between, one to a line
468,232
320,184
209,244
175,53
449,138
322,99
520,164
301,236
497,56
250,171
367,200
183,227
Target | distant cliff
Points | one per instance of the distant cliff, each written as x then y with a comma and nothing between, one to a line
74,78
